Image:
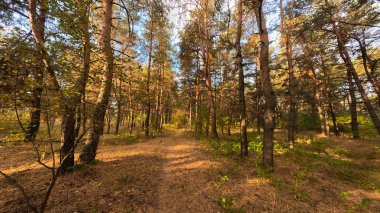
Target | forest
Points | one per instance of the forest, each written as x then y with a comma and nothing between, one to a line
189,106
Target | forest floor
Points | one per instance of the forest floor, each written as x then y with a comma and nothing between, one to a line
175,172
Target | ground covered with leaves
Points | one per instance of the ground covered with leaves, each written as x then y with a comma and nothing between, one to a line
177,172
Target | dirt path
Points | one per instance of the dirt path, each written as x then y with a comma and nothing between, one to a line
172,173
186,184
165,174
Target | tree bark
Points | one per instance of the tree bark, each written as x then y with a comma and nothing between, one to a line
333,117
239,67
288,51
88,152
372,79
352,106
35,114
317,85
269,95
205,46
147,112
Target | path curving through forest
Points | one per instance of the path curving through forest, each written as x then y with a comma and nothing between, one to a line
175,173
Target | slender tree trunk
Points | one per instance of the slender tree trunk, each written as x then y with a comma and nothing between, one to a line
198,122
88,152
317,85
239,66
333,117
288,51
229,125
269,95
119,99
147,113
258,97
37,22
108,119
158,104
207,69
372,79
352,106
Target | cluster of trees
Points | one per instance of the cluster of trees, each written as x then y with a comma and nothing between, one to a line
260,63
86,63
322,59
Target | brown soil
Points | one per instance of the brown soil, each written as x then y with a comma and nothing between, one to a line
173,173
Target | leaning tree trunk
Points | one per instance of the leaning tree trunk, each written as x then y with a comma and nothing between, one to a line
269,95
372,79
37,22
88,152
67,104
351,71
239,66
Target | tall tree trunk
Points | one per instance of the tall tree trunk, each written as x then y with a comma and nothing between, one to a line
148,104
270,98
131,115
258,96
198,122
207,71
288,51
83,10
37,22
88,152
317,85
239,66
159,97
205,46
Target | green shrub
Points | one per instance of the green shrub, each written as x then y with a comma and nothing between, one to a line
305,121
366,127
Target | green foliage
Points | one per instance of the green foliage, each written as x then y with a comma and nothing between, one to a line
305,121
226,202
122,139
14,135
308,121
180,119
344,194
367,129
365,203
278,184
299,194
223,179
